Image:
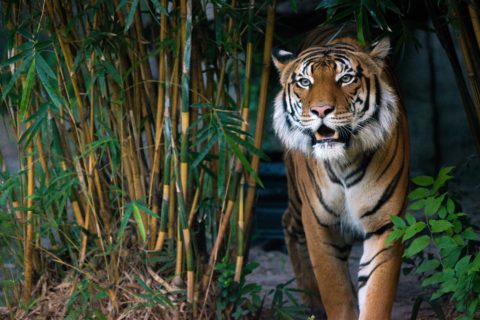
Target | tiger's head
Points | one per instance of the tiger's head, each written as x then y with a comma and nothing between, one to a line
336,99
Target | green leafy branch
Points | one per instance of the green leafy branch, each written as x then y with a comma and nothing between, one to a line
444,242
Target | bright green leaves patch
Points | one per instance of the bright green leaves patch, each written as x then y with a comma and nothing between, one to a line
417,245
440,225
441,243
423,181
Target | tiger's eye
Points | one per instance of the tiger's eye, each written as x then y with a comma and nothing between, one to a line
304,82
346,78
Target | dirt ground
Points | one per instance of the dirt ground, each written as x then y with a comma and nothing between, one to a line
275,268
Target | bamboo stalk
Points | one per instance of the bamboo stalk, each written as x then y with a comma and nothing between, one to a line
245,113
165,202
471,76
262,102
241,236
475,23
160,104
186,30
29,235
196,199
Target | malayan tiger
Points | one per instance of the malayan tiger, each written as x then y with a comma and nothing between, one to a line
346,142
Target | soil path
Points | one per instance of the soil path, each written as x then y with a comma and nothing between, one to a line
275,268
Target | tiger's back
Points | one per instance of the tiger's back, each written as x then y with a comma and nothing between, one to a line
346,139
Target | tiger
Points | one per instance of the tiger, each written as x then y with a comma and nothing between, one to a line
344,132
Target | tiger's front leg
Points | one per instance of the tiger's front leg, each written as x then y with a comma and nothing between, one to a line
378,274
329,255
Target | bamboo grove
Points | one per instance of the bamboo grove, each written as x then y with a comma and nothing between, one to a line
137,162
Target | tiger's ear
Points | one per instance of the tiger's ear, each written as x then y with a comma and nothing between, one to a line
281,58
380,50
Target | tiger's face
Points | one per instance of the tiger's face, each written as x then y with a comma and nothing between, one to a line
335,100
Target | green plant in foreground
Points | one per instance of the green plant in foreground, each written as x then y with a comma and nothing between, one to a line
240,299
236,299
443,241
285,305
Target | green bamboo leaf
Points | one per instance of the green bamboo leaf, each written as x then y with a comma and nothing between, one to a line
203,153
23,54
38,118
43,65
238,153
417,245
138,218
145,209
27,90
51,90
159,8
116,76
360,27
15,76
131,15
222,156
250,147
124,221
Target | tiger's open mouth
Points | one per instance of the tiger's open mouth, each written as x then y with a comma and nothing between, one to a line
325,134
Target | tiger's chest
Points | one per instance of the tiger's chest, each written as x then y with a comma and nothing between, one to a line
339,194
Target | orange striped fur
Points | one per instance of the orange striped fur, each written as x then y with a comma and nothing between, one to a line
346,153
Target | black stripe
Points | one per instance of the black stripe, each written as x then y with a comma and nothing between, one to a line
333,177
364,264
394,154
344,134
342,258
362,280
378,92
379,231
342,249
366,106
359,72
313,211
291,180
366,122
341,60
322,53
362,169
318,192
387,194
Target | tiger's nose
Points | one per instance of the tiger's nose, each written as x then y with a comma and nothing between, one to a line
321,111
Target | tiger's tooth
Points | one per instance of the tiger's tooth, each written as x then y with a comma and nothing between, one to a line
336,135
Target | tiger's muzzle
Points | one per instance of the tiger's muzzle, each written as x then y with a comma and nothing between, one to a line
326,135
